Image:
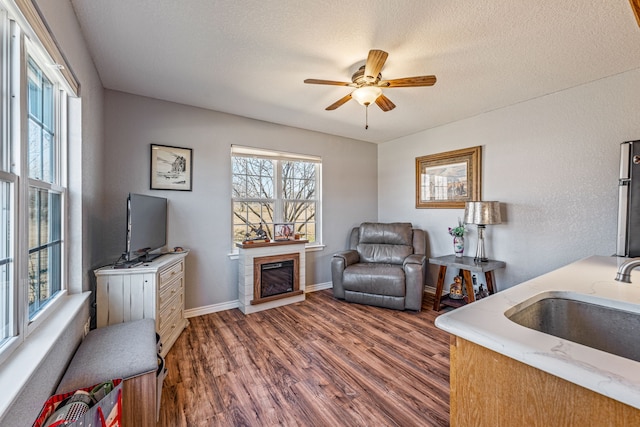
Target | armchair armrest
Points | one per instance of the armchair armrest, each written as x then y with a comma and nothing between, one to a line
414,259
349,257
339,262
415,267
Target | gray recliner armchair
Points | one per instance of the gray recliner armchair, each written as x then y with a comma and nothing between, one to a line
385,266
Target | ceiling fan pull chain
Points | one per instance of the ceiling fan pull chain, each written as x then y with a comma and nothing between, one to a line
366,117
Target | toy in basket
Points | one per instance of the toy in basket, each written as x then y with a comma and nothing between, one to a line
98,405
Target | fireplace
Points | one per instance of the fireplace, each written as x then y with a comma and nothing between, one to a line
276,277
251,256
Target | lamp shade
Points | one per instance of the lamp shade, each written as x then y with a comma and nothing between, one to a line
366,94
482,213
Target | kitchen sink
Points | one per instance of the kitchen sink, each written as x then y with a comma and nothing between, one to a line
598,326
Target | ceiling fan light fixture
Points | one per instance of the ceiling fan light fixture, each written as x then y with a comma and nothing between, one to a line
366,95
368,89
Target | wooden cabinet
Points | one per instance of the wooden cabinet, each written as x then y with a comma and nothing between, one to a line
490,389
152,290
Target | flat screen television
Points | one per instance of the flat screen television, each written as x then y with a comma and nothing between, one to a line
146,227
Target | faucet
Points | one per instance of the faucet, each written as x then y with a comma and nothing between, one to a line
624,270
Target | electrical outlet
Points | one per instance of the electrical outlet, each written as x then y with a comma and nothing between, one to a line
87,326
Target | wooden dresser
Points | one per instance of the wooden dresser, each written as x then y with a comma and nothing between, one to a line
152,290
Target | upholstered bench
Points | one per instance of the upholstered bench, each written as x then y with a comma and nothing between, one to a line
124,350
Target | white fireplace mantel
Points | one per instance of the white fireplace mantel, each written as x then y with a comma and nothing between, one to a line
247,253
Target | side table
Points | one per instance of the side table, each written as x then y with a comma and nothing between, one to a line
465,265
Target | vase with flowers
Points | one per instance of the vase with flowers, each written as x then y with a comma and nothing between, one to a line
458,238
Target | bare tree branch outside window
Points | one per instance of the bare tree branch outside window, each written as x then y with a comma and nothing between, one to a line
267,191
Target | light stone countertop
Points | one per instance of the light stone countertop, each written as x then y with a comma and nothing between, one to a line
591,280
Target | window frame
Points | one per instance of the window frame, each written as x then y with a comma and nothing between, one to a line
278,200
9,343
59,184
16,47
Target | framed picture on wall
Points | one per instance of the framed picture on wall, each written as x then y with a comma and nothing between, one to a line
171,168
448,180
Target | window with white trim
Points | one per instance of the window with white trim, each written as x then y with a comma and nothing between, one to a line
269,188
32,183
8,213
45,191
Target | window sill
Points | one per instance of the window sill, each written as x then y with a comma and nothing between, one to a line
308,248
17,370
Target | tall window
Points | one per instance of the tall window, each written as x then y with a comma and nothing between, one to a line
45,193
274,187
8,209
33,133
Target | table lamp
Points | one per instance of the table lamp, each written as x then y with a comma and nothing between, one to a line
482,214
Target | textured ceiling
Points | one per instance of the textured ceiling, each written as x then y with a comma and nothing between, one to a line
250,57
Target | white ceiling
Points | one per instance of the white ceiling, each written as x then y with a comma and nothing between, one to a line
250,57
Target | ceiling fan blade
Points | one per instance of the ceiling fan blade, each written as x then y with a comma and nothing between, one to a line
385,103
327,82
635,5
339,102
374,64
409,82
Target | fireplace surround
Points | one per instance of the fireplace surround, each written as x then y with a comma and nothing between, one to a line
252,258
275,277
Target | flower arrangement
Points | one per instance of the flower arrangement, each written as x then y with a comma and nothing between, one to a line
457,231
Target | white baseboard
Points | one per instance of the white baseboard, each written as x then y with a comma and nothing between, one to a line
430,289
318,287
214,308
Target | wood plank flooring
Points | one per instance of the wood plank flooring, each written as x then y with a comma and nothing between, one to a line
321,362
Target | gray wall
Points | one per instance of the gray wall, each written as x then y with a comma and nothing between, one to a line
85,205
200,219
86,153
553,162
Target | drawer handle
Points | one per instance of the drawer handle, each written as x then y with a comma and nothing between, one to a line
173,291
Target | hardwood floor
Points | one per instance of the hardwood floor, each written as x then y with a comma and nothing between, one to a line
321,362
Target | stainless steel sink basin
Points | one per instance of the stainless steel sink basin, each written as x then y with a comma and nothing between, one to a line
609,329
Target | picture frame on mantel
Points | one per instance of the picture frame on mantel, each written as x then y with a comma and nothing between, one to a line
283,231
171,168
448,180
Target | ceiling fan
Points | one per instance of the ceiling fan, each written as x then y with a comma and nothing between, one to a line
368,83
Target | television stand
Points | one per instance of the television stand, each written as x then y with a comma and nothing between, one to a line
151,290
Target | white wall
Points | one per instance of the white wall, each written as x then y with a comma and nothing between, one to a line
552,161
201,219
